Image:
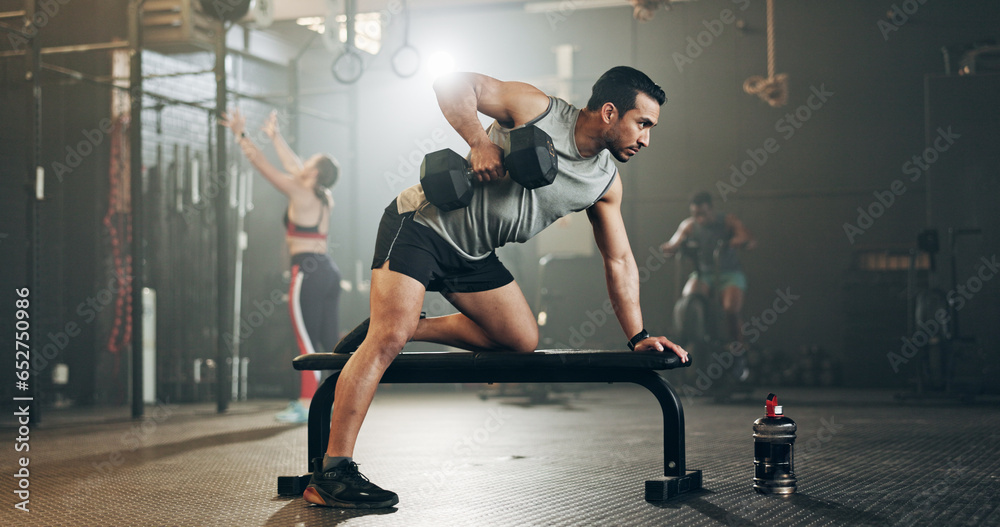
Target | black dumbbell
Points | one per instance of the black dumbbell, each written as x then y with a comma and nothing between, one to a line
529,158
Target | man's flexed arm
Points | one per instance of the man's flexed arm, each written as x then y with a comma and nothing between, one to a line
462,96
620,269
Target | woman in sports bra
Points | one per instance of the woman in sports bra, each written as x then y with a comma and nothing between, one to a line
314,291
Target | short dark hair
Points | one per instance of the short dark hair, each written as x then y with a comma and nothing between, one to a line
701,198
327,173
620,85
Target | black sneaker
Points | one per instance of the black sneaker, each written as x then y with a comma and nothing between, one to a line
351,341
345,487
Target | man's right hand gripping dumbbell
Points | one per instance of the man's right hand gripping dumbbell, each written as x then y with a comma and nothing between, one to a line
529,158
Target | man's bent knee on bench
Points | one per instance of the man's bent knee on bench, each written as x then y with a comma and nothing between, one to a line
421,248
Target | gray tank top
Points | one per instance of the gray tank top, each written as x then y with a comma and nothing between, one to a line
503,211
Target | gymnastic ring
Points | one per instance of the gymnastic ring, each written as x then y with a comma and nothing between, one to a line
350,59
396,60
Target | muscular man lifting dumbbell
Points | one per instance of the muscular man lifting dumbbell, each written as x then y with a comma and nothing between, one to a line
422,248
529,158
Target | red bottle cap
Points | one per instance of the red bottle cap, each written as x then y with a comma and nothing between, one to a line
771,406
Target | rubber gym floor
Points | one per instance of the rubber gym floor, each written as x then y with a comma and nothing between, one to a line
578,458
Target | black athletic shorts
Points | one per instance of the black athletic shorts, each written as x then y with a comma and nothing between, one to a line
420,253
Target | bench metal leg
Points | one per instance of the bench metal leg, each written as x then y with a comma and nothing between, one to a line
319,417
677,479
319,433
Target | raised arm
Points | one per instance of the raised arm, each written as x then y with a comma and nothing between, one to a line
620,270
289,160
462,96
284,182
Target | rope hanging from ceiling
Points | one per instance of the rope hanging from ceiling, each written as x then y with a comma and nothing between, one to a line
774,89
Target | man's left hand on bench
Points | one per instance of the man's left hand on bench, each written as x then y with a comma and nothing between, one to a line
662,344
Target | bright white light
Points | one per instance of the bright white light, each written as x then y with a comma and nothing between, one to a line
440,63
367,31
314,23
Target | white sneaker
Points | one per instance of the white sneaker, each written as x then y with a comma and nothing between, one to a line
293,413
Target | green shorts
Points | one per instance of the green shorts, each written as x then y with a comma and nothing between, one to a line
726,279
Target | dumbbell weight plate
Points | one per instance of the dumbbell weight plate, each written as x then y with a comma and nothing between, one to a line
444,175
530,158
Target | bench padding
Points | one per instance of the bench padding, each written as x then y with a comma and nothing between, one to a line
491,360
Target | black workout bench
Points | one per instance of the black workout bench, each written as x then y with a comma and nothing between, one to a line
495,367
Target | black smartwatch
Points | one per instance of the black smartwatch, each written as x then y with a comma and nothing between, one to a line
639,337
